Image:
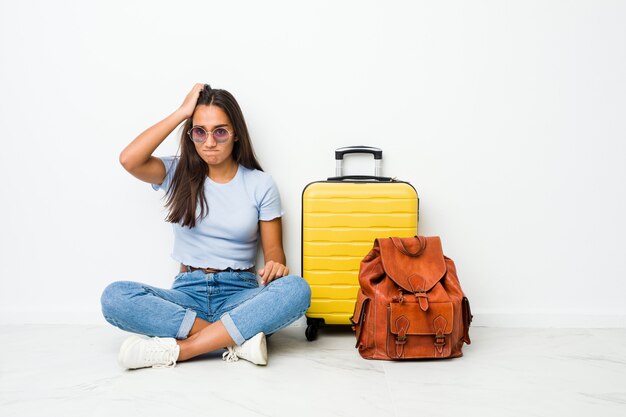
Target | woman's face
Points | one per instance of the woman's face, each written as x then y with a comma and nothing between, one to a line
211,118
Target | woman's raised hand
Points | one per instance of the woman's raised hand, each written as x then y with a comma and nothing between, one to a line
191,100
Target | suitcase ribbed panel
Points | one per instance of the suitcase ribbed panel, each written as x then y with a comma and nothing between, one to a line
323,235
336,248
340,221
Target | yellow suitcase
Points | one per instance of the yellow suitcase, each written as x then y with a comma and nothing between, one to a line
341,217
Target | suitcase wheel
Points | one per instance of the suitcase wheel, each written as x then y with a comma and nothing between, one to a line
312,328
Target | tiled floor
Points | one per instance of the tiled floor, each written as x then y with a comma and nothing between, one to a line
71,370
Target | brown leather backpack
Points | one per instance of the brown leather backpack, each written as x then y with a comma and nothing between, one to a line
410,305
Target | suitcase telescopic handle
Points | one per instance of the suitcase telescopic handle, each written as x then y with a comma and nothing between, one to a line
361,178
341,152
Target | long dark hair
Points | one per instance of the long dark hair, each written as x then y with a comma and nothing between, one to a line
186,190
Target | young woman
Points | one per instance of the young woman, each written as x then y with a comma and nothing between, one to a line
220,202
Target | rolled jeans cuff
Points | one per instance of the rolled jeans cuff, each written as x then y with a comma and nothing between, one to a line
186,325
232,330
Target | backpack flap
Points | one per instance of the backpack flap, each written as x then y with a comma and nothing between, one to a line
409,319
411,327
415,264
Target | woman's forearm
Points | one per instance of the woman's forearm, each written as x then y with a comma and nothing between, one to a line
138,152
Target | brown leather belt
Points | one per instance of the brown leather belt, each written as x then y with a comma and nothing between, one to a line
186,268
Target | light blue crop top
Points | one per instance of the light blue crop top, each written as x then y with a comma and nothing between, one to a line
227,237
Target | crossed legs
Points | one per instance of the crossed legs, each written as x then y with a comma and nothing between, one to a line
148,310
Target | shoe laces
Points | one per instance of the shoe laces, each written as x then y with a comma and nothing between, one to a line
160,354
230,355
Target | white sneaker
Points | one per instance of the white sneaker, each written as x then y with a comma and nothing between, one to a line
143,352
253,350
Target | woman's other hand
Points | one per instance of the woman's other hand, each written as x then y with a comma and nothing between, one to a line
273,253
271,271
189,105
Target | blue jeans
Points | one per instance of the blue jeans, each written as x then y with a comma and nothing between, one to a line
234,297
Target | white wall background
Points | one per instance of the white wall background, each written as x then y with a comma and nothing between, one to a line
507,116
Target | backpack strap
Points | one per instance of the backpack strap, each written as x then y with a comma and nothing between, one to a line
402,324
399,244
439,324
